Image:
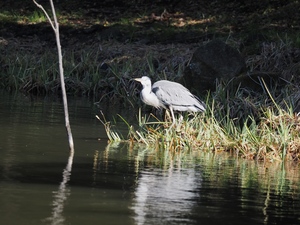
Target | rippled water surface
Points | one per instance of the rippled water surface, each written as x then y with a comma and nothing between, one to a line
126,184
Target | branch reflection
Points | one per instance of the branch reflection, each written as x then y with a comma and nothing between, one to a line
61,195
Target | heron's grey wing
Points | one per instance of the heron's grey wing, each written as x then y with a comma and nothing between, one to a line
171,93
175,95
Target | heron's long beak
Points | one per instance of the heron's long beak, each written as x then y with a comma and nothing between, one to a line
137,79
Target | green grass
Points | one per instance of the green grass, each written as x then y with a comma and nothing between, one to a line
35,69
274,137
6,16
37,17
253,125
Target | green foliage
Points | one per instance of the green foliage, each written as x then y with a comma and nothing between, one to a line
274,138
268,131
102,70
37,17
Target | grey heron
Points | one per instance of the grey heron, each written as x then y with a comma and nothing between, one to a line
169,95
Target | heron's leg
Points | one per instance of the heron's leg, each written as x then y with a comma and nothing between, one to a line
160,113
167,115
173,117
180,118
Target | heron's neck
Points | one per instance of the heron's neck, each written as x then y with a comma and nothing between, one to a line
149,97
147,89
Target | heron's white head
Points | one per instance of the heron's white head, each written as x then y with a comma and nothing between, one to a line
145,81
147,96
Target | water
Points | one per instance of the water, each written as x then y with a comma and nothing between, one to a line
124,184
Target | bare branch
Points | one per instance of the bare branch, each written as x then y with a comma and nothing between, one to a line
55,27
48,17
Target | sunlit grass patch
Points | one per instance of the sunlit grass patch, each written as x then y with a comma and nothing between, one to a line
36,17
6,16
275,137
112,135
23,18
271,135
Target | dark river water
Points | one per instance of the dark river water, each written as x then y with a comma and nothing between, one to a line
123,183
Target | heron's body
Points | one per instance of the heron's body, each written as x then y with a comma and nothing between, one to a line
169,95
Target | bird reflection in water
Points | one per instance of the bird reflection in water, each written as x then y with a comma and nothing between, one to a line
165,195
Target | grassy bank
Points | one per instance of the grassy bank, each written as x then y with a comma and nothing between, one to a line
103,70
271,136
260,125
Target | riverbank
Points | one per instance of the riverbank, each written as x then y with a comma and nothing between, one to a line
104,48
